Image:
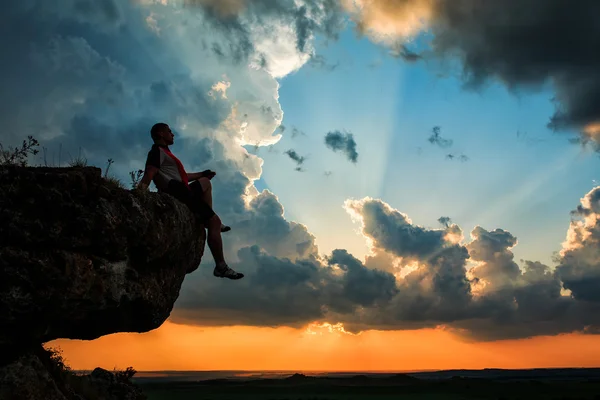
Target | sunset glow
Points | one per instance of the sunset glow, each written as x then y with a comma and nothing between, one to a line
178,347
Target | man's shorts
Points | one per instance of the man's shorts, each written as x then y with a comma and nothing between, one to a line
192,197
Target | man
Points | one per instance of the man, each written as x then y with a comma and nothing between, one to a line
169,175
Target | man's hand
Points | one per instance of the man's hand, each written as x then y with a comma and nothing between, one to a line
193,176
208,174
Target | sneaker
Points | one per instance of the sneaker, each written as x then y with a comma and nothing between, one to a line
225,228
226,272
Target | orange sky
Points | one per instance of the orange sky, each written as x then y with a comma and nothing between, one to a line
181,347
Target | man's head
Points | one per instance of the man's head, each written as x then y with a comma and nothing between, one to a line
161,134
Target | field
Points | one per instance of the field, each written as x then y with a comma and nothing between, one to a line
363,387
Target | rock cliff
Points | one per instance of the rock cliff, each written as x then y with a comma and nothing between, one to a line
81,257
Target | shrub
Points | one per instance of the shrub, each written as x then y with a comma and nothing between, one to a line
18,156
112,180
136,176
126,375
80,161
56,361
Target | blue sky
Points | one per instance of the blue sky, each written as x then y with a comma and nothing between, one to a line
520,176
96,76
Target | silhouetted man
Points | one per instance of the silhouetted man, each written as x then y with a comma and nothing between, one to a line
169,175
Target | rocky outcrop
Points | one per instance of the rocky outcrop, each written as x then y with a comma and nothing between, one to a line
39,375
81,257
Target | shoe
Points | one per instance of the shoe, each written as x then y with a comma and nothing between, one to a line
225,228
226,272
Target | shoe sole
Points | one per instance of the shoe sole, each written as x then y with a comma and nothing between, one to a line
230,277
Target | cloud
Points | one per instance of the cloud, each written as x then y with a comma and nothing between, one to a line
252,23
279,291
436,138
461,157
79,81
493,299
524,50
579,266
400,50
221,8
296,132
318,61
387,20
265,225
95,76
344,142
295,156
394,232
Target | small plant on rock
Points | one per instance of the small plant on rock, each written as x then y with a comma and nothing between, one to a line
108,164
112,179
136,176
79,162
18,155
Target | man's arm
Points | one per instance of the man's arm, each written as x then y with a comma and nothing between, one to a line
151,169
149,175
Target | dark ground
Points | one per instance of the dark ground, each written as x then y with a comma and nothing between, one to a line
559,384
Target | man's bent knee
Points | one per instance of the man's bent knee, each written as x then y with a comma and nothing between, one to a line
214,222
205,183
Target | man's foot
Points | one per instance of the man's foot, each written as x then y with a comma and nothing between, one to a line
225,228
224,271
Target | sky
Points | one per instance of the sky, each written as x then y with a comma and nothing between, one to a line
411,184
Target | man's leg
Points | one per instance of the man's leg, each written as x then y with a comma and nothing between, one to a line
206,186
215,243
214,240
206,190
212,223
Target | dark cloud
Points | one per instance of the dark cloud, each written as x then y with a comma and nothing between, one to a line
297,132
362,286
460,157
230,16
344,142
319,62
525,49
295,156
279,291
103,8
400,50
496,299
436,138
265,225
445,221
524,44
395,233
71,88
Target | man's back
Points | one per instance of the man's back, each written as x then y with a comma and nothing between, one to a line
168,170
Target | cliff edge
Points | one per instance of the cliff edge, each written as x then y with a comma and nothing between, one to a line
81,257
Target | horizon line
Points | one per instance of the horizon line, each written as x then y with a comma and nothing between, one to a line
381,371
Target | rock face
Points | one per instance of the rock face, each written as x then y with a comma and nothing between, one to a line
81,258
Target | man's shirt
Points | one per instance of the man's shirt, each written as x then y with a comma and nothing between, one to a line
168,170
